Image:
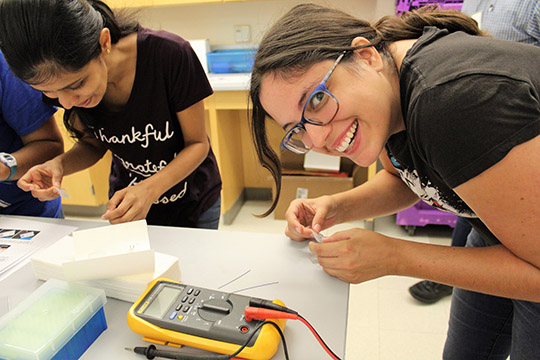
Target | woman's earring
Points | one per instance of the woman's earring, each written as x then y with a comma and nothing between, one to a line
108,51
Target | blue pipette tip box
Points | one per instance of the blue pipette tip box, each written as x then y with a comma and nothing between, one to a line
58,321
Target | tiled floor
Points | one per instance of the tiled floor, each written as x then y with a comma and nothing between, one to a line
385,322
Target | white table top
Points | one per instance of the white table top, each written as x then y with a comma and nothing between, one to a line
264,265
229,82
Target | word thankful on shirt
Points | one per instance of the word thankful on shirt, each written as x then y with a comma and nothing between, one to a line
143,137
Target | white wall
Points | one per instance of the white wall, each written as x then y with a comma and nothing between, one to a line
216,21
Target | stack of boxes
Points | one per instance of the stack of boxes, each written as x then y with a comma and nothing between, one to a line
313,175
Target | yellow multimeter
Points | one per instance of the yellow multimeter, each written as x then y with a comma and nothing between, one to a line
176,314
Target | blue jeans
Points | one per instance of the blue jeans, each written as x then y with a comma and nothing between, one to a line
210,218
489,327
461,231
60,214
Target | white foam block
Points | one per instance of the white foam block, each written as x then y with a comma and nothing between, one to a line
110,251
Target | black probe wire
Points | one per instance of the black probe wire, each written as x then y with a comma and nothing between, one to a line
151,351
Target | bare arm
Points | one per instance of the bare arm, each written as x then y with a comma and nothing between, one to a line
42,144
84,153
503,203
504,198
43,179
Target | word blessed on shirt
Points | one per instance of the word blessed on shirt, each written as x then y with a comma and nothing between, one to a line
144,137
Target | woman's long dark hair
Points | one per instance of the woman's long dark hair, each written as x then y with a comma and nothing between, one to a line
43,38
309,34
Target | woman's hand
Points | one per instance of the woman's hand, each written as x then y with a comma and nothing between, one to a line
129,204
43,181
303,215
357,255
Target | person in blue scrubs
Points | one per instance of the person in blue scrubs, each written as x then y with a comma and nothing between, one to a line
28,136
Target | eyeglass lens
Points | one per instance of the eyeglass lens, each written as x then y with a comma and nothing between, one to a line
320,110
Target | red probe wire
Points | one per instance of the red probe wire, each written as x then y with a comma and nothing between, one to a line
251,313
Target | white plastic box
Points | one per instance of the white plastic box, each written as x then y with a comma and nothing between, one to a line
58,321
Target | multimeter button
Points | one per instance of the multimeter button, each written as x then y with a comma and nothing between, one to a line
186,309
244,329
190,290
178,307
191,301
197,292
173,315
184,299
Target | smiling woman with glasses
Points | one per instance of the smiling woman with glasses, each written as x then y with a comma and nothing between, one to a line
449,113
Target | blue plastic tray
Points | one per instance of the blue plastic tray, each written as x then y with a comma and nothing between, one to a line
230,61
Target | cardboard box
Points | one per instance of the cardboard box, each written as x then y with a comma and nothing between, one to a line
299,186
292,161
359,175
297,182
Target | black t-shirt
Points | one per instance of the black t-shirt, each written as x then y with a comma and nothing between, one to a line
467,101
146,135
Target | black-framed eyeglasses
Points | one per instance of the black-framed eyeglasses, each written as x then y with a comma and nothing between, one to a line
320,109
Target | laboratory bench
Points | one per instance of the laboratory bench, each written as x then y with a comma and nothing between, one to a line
267,266
228,128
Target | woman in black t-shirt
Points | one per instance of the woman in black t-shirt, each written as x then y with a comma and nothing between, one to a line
134,91
454,118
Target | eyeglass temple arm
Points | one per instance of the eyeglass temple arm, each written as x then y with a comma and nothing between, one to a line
333,67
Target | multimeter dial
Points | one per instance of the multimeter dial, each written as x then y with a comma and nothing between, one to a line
215,309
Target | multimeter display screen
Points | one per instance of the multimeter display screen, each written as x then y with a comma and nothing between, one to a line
161,303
